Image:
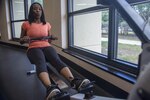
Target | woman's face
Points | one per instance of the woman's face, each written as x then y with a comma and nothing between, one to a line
37,11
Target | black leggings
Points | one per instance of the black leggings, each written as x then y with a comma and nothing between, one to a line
39,57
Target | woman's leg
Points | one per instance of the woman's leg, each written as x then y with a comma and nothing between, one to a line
65,71
37,57
44,77
52,57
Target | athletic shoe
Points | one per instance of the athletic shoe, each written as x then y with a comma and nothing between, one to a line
79,84
52,91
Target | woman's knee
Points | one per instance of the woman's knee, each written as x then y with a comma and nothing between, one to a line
41,68
59,65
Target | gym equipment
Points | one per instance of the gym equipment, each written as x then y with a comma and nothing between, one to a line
51,37
87,90
61,96
44,38
141,90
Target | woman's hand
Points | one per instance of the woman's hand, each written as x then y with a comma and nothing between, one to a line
25,39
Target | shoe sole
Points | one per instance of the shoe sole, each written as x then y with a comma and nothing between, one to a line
51,94
83,82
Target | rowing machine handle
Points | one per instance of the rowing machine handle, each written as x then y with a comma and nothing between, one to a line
40,38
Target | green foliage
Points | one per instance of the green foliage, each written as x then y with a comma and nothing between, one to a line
105,16
125,52
143,10
128,52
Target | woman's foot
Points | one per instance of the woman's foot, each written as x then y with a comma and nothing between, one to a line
52,91
79,84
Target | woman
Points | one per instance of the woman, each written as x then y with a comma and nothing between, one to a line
41,51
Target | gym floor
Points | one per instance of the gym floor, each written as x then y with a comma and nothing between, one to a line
14,82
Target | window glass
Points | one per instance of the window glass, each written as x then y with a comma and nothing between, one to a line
104,27
18,9
82,4
92,34
129,46
143,10
32,1
17,26
88,29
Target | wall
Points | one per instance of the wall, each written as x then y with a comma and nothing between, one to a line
55,11
58,19
3,21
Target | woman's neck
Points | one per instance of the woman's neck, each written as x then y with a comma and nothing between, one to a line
37,21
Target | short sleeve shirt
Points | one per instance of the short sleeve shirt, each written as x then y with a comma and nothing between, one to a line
37,30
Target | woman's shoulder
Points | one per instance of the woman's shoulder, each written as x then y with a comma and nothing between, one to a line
48,23
25,24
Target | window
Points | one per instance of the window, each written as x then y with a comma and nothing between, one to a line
100,33
129,46
91,34
19,13
82,4
18,9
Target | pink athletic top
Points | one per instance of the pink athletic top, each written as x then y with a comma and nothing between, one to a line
37,30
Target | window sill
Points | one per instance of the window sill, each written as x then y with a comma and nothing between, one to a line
102,66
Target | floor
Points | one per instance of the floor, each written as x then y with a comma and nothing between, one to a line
14,82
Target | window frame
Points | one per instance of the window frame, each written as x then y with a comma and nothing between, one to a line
12,21
110,62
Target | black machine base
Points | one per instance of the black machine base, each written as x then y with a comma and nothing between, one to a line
61,96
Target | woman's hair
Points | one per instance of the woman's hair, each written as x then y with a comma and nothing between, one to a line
31,16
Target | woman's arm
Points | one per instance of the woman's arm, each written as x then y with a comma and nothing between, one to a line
23,37
50,34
